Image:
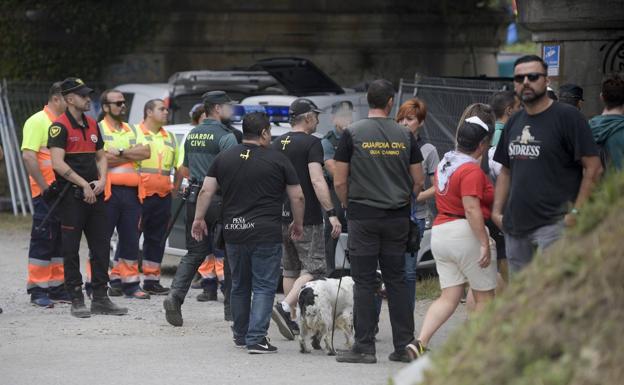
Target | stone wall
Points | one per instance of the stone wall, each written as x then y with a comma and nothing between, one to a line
352,41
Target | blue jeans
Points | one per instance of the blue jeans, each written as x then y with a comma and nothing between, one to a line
410,265
255,269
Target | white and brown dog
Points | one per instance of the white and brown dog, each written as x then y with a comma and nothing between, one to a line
316,306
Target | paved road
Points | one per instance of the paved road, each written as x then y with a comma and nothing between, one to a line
48,346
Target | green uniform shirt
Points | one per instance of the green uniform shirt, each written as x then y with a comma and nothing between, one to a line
203,144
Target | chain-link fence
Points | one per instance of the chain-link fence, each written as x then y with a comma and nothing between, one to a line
446,99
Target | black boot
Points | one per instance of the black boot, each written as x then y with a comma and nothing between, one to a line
173,310
78,308
101,304
207,295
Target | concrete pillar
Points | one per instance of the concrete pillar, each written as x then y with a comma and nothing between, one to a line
590,37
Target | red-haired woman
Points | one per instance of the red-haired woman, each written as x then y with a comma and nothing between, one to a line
412,114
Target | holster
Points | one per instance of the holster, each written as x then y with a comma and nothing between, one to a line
51,193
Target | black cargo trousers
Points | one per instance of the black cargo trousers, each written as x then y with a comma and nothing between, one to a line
78,216
197,251
380,242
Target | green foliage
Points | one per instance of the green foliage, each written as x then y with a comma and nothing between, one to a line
54,39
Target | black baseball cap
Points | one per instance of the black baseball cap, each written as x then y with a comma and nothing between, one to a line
216,97
341,105
75,86
302,106
571,91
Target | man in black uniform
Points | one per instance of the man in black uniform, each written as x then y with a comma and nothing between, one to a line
253,180
342,117
78,158
377,168
201,147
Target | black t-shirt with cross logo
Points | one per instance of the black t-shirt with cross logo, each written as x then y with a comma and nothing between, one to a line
253,180
543,153
303,149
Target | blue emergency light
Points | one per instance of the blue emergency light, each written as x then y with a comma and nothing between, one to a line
277,114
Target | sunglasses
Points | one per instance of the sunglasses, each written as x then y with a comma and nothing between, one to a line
533,76
118,104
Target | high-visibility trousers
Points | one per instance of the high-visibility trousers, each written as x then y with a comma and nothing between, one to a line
123,212
45,262
156,211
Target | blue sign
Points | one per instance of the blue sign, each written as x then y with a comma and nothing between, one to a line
551,56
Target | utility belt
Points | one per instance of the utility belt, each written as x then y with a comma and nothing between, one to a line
55,190
191,193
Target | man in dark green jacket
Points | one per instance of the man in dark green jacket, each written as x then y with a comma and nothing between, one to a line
608,128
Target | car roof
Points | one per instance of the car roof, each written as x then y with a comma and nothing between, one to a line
144,88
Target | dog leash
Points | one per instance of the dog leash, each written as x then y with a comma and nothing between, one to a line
344,259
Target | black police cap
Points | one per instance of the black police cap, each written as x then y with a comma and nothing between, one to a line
216,97
302,106
75,86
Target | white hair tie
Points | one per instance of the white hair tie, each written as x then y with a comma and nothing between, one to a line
476,120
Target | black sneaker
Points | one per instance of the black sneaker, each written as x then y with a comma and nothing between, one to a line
356,357
60,297
104,306
415,350
155,288
262,348
173,311
207,296
240,343
282,318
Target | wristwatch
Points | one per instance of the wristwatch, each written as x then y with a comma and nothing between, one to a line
121,152
330,213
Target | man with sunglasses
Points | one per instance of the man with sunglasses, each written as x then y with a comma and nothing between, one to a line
78,159
123,193
550,165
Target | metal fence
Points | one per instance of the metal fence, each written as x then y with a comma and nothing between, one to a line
446,99
28,97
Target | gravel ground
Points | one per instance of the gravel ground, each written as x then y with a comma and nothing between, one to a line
49,346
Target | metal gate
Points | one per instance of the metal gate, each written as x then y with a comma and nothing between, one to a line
446,99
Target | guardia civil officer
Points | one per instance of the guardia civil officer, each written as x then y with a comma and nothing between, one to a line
78,158
201,147
377,169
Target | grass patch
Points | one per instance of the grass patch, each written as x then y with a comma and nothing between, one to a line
427,287
10,222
